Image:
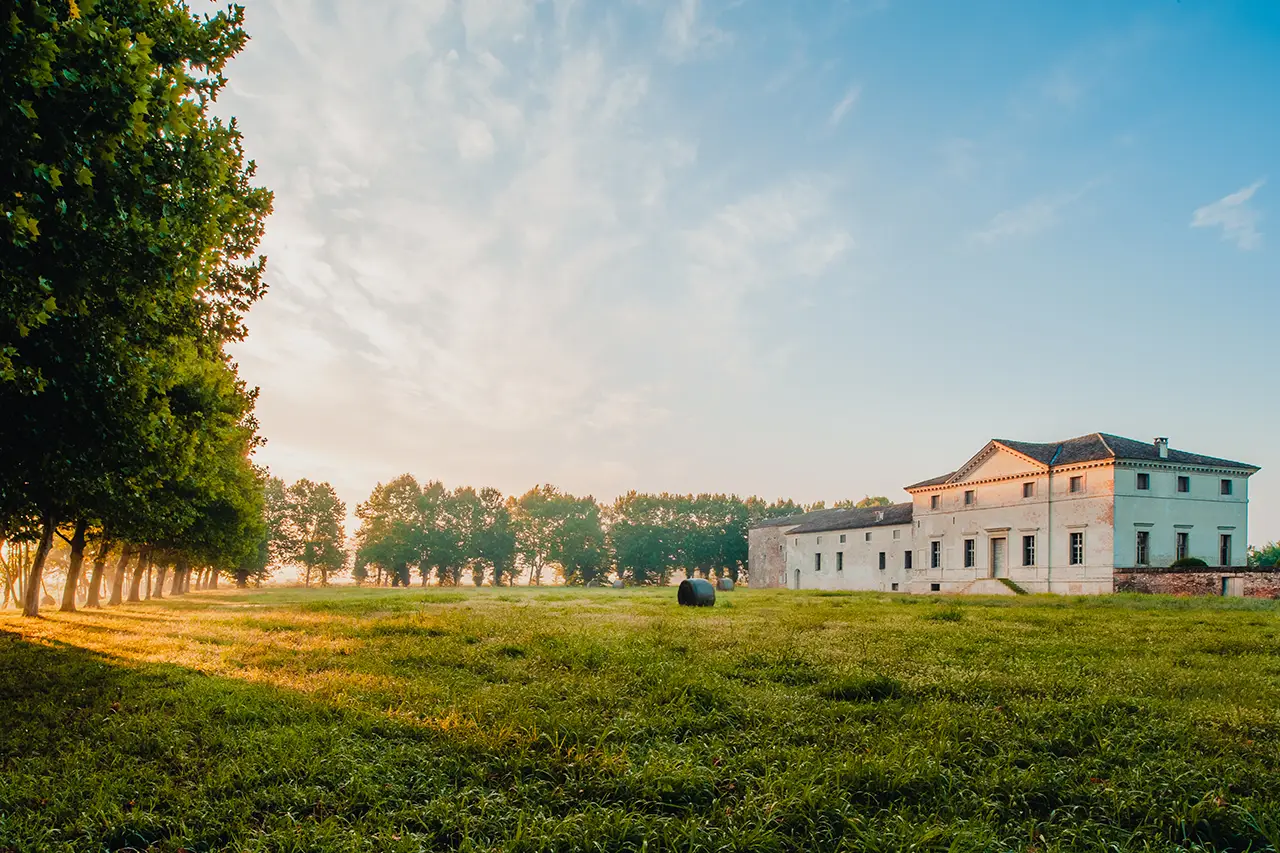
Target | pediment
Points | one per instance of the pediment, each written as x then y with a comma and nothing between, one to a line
995,461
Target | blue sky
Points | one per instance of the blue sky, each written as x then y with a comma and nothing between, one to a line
809,250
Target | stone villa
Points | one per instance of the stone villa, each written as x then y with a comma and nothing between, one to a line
1087,515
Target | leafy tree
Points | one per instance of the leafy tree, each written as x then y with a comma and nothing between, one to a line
647,543
579,545
438,540
127,237
535,517
494,541
1267,556
389,523
315,517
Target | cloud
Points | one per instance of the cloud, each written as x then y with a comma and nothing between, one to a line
1233,213
1037,215
776,239
846,103
687,33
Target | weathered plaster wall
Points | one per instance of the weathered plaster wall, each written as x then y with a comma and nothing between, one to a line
861,548
766,557
1000,511
1256,584
1203,513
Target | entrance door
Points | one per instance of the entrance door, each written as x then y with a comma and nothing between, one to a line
1233,587
797,578
997,557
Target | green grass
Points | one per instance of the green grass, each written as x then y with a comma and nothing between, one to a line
378,720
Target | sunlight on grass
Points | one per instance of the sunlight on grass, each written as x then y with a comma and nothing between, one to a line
602,719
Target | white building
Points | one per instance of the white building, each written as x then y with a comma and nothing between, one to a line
1058,517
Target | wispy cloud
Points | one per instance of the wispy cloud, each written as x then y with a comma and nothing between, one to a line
1234,215
847,103
686,31
1039,214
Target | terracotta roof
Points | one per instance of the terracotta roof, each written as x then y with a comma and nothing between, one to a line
852,519
1097,446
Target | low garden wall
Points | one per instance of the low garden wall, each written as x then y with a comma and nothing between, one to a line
1200,580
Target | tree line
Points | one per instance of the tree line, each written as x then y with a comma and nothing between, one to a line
426,532
129,227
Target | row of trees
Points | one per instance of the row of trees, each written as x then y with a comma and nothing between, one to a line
129,226
445,534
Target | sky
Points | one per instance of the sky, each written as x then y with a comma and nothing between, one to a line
811,250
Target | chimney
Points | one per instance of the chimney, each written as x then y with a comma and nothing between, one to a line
1162,447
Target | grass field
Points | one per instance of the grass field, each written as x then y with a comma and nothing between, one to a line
385,720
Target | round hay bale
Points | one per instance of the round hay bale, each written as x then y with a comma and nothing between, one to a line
696,592
593,583
618,584
725,584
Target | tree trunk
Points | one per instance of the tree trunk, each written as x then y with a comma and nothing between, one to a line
144,568
31,593
117,582
155,585
212,582
74,566
308,577
179,569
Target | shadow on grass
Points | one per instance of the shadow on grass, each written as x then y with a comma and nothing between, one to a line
778,753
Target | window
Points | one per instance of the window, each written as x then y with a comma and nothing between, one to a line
818,540
935,555
897,534
1144,482
817,562
1077,549
1182,545
893,587
1028,490
1029,550
1076,485
1142,553
970,553
935,587
906,559
839,561
842,535
867,536
935,501
1224,549
1184,484
882,563
1225,487
968,497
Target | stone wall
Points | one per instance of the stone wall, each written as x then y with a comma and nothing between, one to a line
1256,583
766,557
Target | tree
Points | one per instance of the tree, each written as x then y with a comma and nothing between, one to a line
1265,557
316,517
535,517
647,543
128,233
494,542
388,532
579,545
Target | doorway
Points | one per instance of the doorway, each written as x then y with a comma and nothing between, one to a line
797,578
998,557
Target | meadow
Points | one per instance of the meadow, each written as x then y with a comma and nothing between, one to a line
557,719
